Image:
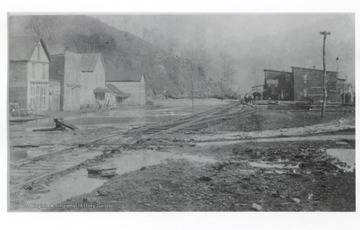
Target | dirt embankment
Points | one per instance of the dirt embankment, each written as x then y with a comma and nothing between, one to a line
273,120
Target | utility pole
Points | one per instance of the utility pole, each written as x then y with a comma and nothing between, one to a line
221,89
192,93
325,33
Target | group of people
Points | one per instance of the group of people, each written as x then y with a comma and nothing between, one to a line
246,99
346,98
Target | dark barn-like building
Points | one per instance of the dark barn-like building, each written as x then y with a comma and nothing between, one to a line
308,84
279,85
301,84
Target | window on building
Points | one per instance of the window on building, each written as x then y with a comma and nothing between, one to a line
305,92
305,79
32,95
33,67
119,99
37,95
287,78
44,96
41,96
45,72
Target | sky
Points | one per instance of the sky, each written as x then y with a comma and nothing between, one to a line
254,41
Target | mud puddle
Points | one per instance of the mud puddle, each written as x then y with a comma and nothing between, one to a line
137,160
79,182
346,156
70,185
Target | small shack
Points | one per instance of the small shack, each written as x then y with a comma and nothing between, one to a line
132,83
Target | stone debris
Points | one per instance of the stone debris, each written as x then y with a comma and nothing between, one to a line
256,207
296,200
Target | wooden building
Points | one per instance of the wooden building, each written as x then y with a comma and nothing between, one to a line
257,92
132,83
28,74
278,85
93,72
308,85
66,69
301,84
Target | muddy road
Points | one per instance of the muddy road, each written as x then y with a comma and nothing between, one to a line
170,161
34,155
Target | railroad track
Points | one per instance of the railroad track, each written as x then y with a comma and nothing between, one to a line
182,122
53,163
199,123
152,130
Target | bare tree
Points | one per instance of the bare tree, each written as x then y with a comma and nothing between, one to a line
226,74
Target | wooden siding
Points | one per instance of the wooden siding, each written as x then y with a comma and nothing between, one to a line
54,95
135,89
310,82
90,81
28,81
70,89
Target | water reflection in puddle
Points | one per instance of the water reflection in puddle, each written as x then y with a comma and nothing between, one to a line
70,185
344,155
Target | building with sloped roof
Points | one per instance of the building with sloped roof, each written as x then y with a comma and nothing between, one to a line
93,72
119,95
29,73
66,69
132,83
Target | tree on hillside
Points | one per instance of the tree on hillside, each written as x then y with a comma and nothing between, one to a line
227,72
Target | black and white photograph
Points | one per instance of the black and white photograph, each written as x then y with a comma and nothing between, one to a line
179,114
189,112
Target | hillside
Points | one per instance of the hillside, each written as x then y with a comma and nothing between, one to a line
254,41
165,73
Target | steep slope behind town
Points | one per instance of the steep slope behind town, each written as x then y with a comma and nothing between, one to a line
166,74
